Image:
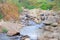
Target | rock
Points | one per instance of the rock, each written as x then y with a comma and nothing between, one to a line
37,20
43,18
51,19
50,33
58,19
25,38
53,39
47,22
47,28
12,28
54,24
36,14
11,32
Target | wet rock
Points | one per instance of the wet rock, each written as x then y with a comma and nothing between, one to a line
26,37
15,38
11,33
31,22
17,34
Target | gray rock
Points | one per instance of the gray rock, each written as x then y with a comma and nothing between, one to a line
54,24
47,22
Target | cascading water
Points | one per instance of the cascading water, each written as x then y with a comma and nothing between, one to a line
32,30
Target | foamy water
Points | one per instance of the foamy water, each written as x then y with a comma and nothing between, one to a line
32,31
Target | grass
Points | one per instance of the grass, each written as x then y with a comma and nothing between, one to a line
4,30
1,16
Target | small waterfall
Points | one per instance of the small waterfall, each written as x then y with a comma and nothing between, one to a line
31,30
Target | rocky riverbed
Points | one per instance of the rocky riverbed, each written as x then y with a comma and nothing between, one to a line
33,24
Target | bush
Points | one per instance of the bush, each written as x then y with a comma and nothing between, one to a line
46,6
1,16
4,30
31,4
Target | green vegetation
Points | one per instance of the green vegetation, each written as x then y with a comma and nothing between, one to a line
31,4
46,6
4,30
1,16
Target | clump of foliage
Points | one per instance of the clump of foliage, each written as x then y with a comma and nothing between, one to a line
9,11
31,4
42,4
1,16
46,6
4,30
15,2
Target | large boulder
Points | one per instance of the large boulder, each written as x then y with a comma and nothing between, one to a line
11,27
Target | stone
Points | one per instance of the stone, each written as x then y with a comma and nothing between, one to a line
26,37
36,13
58,19
37,20
47,22
53,39
12,28
54,24
48,28
11,32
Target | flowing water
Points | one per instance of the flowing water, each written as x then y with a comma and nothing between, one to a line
32,30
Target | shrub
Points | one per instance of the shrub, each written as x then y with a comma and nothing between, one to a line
1,16
4,30
46,6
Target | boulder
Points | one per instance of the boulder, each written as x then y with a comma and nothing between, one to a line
12,28
47,22
54,24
